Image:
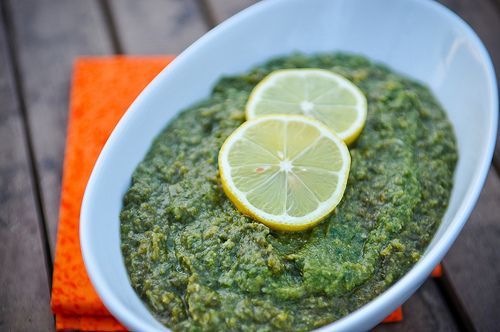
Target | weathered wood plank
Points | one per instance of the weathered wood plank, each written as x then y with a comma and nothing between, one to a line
484,17
473,261
24,284
424,311
157,26
223,9
48,35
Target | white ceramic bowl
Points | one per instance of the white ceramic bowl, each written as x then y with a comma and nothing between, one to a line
421,39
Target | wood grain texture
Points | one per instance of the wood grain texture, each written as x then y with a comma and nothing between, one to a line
484,17
24,284
157,26
424,311
223,9
472,264
49,34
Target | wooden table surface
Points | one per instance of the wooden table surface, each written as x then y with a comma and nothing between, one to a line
39,40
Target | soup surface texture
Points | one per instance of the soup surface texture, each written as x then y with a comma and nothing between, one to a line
199,264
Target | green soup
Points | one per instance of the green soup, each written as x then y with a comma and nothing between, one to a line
199,264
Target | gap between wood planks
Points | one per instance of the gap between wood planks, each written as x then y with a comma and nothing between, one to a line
207,13
110,23
6,15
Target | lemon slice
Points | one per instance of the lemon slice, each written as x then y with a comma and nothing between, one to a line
286,171
320,94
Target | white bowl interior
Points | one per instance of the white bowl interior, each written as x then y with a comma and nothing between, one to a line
418,38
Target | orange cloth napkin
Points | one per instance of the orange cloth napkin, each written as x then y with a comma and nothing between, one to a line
102,90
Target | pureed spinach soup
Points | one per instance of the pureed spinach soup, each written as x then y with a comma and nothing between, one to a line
199,264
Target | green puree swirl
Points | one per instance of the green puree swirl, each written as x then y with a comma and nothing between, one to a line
199,264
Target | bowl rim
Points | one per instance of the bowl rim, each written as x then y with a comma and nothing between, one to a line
411,280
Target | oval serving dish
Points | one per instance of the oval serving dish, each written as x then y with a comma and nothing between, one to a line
418,38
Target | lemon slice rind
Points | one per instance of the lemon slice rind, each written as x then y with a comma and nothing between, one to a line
339,83
283,221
